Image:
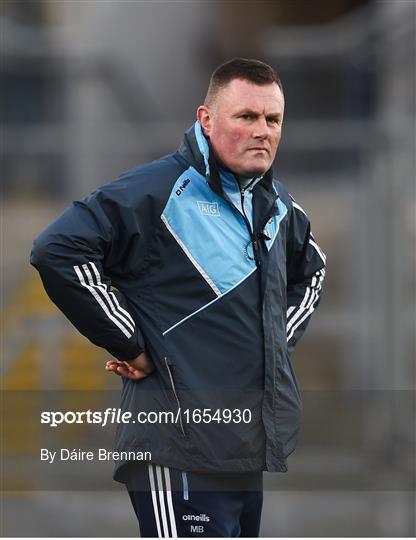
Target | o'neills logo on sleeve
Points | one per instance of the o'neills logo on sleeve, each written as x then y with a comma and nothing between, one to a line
182,186
200,517
209,208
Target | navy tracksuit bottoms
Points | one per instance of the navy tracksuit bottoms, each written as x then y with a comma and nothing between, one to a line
171,503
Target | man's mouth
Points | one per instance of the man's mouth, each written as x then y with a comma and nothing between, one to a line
258,149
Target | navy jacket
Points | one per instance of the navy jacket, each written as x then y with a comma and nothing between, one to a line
216,285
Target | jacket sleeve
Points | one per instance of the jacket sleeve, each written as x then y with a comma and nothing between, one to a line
305,266
73,256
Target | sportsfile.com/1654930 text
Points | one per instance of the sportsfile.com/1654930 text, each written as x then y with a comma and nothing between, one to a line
113,415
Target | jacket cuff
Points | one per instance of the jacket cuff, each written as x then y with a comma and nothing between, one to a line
133,348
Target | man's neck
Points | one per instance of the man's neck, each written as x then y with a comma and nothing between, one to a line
244,181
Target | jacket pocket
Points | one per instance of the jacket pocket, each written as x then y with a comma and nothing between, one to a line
168,365
294,378
288,408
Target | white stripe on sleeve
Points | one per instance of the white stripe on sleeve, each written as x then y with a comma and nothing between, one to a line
102,304
112,300
306,300
289,310
305,308
312,239
318,249
296,205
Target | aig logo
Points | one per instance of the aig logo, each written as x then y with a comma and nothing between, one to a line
208,208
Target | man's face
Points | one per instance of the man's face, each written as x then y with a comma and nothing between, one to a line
244,125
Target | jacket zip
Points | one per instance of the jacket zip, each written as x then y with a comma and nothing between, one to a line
252,237
172,382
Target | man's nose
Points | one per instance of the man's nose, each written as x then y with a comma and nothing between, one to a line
260,129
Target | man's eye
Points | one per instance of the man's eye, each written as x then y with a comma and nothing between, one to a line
246,116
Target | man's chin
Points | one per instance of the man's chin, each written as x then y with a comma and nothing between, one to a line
258,168
255,171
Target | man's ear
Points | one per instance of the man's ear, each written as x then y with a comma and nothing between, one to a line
204,116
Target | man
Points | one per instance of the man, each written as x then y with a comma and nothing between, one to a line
198,273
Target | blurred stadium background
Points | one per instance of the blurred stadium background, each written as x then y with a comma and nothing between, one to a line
92,88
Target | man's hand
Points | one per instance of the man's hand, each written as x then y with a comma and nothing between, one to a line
138,368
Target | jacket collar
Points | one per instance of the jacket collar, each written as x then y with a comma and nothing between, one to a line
195,149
